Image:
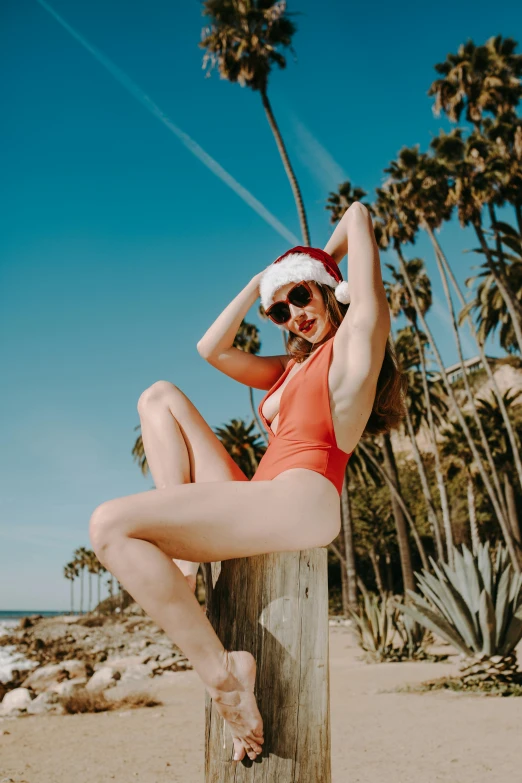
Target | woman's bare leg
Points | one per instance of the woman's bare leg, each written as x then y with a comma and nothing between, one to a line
161,591
167,454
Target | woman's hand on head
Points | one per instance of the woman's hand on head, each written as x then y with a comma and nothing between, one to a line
257,279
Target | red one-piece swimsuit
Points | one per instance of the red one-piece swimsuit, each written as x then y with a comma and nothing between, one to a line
305,435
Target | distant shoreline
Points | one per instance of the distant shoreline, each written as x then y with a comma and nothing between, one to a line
16,614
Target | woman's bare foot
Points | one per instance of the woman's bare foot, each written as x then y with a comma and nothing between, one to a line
236,703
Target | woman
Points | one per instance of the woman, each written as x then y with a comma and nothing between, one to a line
153,541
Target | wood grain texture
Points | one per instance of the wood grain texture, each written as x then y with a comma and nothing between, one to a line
276,607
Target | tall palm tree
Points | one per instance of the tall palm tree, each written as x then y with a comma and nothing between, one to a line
488,305
92,569
416,413
243,447
374,526
244,40
400,300
393,228
99,570
464,162
339,201
390,466
372,453
506,134
350,569
503,455
478,79
81,558
454,448
70,572
423,188
247,340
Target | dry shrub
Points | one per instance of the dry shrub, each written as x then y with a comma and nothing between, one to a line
96,701
91,621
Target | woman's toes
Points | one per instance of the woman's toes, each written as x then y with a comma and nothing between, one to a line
250,753
239,749
254,744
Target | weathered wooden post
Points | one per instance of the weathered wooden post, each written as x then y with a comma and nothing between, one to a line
276,607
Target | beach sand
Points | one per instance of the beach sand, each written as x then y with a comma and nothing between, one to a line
376,736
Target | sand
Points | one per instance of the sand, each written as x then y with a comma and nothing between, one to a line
376,736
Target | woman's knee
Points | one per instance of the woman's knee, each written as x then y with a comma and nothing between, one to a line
103,530
157,392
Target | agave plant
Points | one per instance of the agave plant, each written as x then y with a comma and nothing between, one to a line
378,623
375,626
476,606
415,637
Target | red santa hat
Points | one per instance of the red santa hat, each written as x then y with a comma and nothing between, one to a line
302,263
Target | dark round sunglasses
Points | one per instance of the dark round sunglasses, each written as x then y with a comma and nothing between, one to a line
300,296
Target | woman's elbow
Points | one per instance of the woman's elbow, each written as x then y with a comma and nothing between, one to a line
201,350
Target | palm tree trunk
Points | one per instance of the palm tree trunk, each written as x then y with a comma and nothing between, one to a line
512,508
441,484
471,398
502,260
374,557
389,573
360,584
99,588
430,506
513,440
72,596
344,575
397,495
252,459
254,413
513,306
81,590
400,522
475,537
349,549
90,592
288,168
504,525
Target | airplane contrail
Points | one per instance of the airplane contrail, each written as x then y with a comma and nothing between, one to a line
185,139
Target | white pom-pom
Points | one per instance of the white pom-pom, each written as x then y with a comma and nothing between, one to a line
342,293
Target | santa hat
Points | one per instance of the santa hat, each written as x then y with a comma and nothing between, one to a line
302,263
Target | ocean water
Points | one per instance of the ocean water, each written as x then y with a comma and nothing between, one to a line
9,658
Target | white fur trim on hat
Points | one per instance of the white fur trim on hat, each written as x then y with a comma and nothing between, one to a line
292,269
342,293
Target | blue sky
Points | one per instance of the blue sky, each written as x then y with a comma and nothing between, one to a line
120,246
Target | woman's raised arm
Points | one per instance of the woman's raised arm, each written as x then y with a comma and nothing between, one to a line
354,235
220,335
217,344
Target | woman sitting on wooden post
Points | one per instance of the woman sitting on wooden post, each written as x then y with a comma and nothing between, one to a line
204,508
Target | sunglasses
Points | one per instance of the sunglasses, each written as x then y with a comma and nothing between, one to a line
300,296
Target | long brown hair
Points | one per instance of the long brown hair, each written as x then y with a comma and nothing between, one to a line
389,406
